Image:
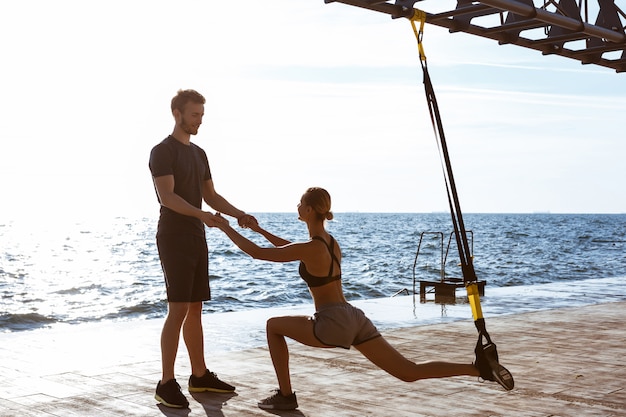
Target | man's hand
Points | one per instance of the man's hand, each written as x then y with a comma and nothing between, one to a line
247,221
214,220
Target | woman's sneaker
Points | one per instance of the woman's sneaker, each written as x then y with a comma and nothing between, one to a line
208,382
169,395
278,401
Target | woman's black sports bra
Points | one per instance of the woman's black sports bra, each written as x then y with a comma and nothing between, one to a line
312,280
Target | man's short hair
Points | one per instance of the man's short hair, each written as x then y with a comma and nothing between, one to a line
185,96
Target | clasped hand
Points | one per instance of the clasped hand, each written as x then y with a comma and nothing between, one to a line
217,220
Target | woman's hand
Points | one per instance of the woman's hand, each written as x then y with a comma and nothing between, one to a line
255,227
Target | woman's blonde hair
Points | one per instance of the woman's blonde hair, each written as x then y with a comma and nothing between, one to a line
319,199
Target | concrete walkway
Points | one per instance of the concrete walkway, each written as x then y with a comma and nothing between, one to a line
566,362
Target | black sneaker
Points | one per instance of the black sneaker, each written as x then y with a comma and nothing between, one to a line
278,401
169,394
490,369
208,382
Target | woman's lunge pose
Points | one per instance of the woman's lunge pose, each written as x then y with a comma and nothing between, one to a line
336,323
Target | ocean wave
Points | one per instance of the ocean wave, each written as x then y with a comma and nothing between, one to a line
79,290
143,310
28,321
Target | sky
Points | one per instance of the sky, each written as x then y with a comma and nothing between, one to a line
299,93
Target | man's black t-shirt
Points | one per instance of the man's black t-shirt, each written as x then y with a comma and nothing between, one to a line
190,167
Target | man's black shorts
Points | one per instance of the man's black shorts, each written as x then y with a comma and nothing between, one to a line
185,263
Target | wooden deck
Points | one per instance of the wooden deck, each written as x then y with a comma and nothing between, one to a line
566,362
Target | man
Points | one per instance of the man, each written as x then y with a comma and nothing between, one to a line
182,180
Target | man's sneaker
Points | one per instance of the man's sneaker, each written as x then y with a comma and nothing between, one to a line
490,369
169,394
208,382
278,401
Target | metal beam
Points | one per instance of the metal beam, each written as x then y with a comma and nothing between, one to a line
395,10
531,12
564,29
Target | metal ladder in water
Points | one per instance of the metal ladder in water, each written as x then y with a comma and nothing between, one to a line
446,286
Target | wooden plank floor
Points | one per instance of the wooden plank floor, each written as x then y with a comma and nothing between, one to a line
566,362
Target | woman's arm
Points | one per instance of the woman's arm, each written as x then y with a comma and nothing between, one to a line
273,239
287,253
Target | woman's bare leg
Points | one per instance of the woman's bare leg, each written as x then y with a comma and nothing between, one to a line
298,328
386,357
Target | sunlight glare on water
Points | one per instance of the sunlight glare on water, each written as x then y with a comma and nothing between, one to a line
69,271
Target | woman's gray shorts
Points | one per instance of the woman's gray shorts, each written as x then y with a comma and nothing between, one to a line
343,325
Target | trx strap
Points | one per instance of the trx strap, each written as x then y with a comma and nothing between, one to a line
486,352
467,267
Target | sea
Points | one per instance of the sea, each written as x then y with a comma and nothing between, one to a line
69,273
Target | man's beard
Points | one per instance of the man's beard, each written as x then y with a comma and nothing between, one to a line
189,129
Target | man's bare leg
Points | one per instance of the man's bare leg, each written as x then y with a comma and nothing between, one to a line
194,338
170,335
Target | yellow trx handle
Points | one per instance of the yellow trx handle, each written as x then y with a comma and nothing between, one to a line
474,300
420,16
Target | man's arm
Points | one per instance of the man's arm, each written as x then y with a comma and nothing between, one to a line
220,204
165,189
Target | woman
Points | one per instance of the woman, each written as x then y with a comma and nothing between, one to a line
336,323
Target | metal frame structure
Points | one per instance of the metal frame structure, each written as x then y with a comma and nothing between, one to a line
554,27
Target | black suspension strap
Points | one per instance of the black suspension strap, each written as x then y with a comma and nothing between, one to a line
487,361
465,256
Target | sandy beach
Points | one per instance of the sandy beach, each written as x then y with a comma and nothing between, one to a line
566,362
